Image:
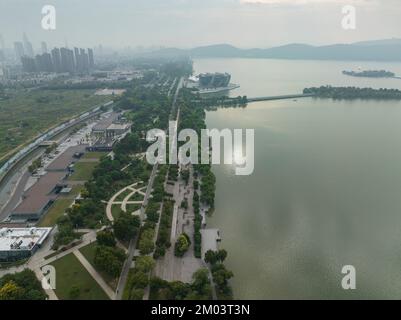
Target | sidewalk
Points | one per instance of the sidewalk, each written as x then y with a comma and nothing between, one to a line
98,278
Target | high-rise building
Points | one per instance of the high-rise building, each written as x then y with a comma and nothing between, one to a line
2,49
67,60
28,64
2,45
56,57
44,63
44,47
28,46
91,59
84,61
3,72
78,63
19,50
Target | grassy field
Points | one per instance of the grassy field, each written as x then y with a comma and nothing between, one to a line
70,273
74,192
27,114
116,210
133,207
83,171
122,195
89,253
56,211
94,155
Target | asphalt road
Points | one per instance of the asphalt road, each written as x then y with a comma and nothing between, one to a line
15,197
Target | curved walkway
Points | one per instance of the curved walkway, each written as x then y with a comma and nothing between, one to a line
125,201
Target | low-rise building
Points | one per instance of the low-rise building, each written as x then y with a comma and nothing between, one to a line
40,196
107,131
21,243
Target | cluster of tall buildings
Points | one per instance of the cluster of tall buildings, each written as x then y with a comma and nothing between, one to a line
59,60
2,49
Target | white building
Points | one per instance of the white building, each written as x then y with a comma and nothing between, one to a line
21,243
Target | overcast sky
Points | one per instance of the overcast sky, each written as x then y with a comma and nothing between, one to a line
189,23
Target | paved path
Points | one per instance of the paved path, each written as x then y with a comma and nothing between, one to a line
37,261
132,245
95,275
50,292
112,201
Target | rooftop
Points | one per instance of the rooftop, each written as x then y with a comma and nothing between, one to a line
66,158
40,194
13,239
103,124
119,126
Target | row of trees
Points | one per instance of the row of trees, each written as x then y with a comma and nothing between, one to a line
199,289
163,238
349,93
148,232
197,224
138,278
221,275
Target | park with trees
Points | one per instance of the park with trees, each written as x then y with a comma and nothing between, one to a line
21,286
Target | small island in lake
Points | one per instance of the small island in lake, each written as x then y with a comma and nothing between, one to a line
370,74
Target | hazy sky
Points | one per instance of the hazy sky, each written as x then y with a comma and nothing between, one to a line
189,23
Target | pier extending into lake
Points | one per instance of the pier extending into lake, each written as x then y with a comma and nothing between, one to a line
283,97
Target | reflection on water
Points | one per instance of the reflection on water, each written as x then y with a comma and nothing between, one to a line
325,191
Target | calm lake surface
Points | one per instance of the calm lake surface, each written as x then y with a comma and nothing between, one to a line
326,190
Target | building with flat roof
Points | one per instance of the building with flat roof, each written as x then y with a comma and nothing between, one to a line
38,198
102,125
21,243
68,157
107,131
41,195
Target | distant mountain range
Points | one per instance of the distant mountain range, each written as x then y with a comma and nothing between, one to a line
379,50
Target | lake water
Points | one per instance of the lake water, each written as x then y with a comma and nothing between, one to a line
326,190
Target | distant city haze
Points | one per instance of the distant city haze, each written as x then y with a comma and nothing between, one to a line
190,23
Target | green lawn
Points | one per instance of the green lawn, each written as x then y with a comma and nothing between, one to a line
94,155
70,273
116,210
137,197
133,207
122,195
83,171
89,253
56,210
27,114
75,191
